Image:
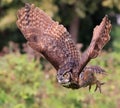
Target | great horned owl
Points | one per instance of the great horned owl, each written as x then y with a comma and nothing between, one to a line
54,42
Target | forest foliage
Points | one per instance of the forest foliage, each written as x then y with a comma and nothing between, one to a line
29,81
78,16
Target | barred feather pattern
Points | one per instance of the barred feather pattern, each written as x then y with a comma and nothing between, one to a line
54,42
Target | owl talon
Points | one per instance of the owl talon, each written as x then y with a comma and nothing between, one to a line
98,86
90,87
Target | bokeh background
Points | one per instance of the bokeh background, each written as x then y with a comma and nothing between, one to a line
27,80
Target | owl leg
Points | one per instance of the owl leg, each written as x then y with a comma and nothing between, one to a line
98,85
90,87
88,78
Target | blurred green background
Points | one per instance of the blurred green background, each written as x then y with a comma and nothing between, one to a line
29,81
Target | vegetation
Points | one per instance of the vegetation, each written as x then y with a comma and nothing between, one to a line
79,16
28,81
24,85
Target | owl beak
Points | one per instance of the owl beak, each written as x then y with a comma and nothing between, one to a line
62,81
59,80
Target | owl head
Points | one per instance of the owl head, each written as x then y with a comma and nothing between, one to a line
65,78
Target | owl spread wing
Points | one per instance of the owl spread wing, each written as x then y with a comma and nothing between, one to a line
53,41
99,40
47,36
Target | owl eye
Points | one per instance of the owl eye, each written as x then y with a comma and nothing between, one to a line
66,75
81,75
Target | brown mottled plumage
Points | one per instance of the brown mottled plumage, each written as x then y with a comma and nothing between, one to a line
53,41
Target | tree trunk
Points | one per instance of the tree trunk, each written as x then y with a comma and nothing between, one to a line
74,28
